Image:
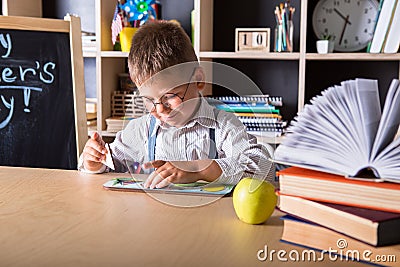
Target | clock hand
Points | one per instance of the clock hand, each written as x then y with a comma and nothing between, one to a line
342,16
344,28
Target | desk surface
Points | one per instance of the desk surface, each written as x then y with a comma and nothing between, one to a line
66,218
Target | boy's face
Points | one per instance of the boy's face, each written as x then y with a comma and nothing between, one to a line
171,104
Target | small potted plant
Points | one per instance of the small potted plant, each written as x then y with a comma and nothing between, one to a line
325,44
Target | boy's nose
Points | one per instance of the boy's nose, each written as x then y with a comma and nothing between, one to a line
160,108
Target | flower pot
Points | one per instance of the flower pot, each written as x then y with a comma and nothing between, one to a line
322,46
331,46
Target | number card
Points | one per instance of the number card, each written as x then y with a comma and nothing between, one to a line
252,39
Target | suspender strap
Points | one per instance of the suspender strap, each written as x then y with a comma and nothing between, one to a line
213,145
212,154
151,143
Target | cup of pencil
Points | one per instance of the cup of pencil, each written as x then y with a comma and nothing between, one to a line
284,27
125,37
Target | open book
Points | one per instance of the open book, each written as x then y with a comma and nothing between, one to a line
344,131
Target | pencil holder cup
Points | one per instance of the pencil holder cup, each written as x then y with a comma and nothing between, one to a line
284,37
125,37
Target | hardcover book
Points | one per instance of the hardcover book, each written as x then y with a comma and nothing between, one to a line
335,245
383,25
332,188
393,37
375,227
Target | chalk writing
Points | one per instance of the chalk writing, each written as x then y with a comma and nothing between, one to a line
12,75
10,106
6,43
8,75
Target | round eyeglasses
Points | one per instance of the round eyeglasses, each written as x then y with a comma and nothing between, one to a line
167,100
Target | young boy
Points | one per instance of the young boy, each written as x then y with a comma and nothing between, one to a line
183,137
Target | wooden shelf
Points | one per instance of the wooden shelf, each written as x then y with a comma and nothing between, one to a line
353,56
117,54
108,134
250,55
89,53
260,138
296,56
269,140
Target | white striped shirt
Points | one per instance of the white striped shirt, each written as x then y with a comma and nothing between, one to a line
239,155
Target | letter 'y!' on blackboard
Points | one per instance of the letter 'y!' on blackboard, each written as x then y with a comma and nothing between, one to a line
42,118
6,43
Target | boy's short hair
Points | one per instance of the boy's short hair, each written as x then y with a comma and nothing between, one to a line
158,45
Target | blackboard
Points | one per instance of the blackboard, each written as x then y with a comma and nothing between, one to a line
38,90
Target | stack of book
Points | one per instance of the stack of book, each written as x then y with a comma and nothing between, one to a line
117,123
331,212
88,42
259,113
386,38
124,107
91,113
343,191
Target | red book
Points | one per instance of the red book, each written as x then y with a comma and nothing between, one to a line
326,187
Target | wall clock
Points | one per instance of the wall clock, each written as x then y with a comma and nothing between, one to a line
350,23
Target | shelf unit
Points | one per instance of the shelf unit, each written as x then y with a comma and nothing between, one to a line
109,63
302,65
302,57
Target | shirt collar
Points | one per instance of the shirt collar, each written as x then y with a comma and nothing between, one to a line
205,116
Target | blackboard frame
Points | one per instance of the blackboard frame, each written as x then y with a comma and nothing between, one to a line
72,26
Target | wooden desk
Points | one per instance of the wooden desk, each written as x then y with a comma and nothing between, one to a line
65,218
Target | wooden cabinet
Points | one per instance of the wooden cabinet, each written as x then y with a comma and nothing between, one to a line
109,63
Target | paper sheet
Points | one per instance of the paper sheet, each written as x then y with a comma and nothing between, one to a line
109,161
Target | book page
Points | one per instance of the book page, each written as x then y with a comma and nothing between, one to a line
387,163
346,122
390,120
336,131
354,117
326,134
370,110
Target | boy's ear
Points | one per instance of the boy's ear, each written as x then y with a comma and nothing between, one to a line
200,78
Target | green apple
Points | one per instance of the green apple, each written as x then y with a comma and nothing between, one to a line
254,200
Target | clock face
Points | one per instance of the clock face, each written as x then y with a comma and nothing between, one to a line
350,23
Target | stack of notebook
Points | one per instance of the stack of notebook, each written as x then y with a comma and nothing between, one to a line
259,113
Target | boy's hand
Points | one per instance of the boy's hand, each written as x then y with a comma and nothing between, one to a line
180,172
94,153
166,172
